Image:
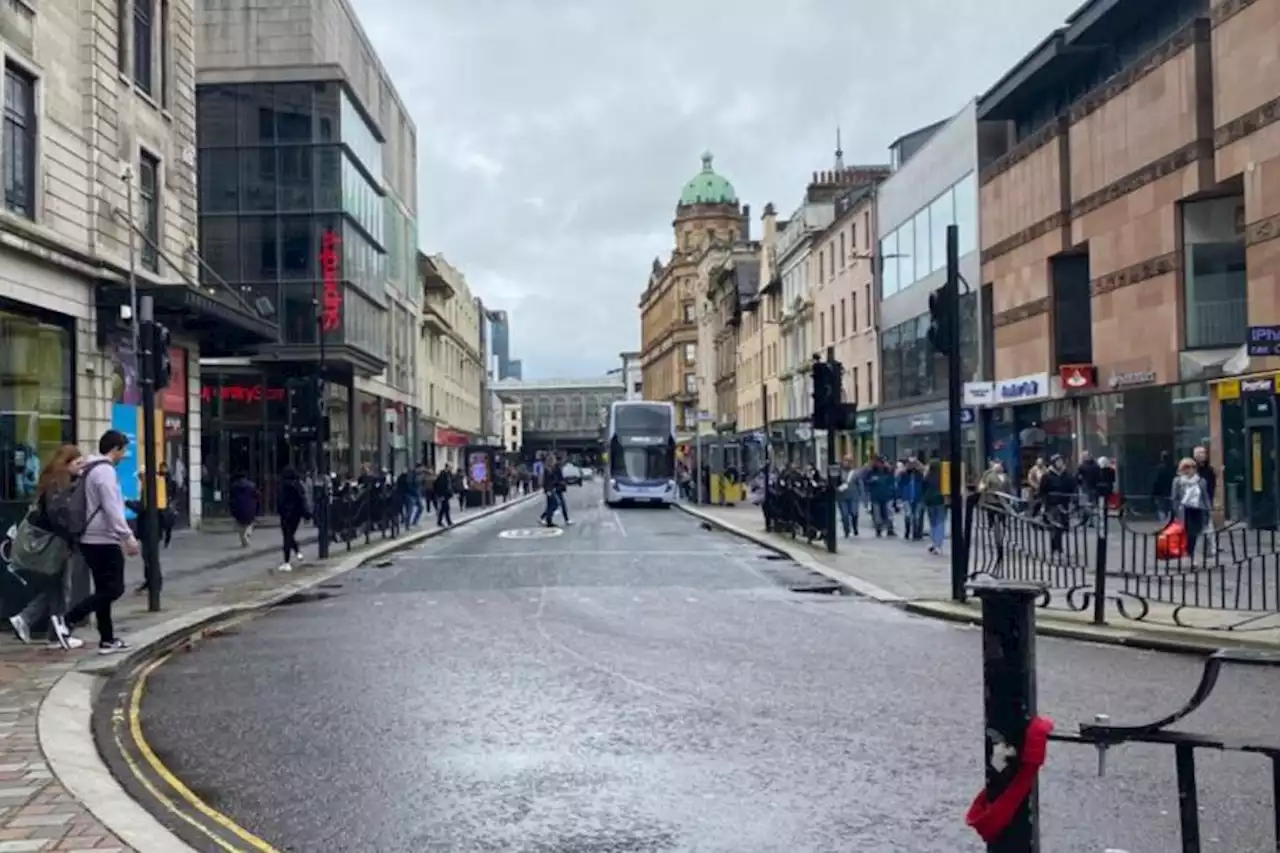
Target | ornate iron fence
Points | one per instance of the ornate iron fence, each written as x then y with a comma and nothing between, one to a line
1097,560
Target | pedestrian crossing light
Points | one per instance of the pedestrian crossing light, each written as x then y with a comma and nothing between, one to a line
940,321
826,392
161,366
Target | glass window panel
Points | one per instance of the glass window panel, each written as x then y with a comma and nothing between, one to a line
297,312
216,116
296,182
922,267
324,102
293,112
359,137
941,214
327,166
298,247
889,263
219,187
907,252
258,179
220,248
255,123
966,201
259,249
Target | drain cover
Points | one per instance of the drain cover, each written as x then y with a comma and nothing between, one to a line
531,533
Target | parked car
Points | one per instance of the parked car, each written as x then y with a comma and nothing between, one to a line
572,474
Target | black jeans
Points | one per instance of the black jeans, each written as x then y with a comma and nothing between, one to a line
289,535
106,565
442,514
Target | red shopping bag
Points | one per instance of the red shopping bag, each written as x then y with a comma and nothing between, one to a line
1171,543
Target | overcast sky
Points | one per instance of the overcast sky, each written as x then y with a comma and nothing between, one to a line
554,136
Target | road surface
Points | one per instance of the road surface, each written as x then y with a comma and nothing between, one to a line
638,683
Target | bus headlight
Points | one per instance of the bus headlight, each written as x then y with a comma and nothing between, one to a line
613,484
671,485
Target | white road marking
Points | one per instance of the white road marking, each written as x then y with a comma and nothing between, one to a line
502,555
617,519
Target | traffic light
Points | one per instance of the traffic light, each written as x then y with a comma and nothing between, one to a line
826,392
161,369
940,321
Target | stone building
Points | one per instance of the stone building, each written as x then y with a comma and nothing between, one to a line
453,376
99,165
706,212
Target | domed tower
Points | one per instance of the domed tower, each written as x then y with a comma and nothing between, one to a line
707,210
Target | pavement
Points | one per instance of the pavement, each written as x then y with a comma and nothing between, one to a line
638,682
206,573
895,571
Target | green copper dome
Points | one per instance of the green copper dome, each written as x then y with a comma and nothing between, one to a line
707,187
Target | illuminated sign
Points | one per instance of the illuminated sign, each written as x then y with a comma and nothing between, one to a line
242,394
331,298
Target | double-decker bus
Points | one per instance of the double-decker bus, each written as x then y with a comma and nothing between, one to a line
641,439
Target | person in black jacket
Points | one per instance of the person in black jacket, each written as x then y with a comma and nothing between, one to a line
291,505
443,491
552,486
1162,485
1057,490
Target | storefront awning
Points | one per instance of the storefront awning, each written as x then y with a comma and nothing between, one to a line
220,325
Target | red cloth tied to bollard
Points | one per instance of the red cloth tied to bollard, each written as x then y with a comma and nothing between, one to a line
990,819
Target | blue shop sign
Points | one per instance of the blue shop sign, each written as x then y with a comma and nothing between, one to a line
1264,340
1023,389
966,417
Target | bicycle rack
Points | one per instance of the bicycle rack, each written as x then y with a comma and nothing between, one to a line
1102,735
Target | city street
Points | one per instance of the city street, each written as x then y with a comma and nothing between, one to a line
635,682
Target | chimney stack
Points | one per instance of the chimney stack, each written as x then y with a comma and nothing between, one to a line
746,222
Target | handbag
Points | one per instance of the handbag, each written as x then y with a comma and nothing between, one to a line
37,551
1171,543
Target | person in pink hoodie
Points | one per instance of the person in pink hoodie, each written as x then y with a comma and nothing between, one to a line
107,540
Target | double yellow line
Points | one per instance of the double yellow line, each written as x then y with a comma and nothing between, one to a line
184,801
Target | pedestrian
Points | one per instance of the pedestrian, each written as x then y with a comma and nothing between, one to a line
910,491
460,488
847,497
551,475
935,504
562,488
444,496
106,540
879,482
291,505
1056,492
243,501
43,547
1190,499
1162,485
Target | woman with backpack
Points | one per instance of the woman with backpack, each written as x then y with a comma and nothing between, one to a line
42,553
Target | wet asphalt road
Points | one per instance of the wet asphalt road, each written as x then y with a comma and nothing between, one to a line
640,684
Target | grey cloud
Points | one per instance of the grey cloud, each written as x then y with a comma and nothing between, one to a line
554,136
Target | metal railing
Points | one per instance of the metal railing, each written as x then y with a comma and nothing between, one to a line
1088,556
1007,812
357,509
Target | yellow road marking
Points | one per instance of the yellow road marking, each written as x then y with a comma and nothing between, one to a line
176,784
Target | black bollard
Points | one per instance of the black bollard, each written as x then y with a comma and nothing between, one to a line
1009,700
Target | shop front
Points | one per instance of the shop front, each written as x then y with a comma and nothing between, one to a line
924,435
450,447
1135,422
1023,424
37,400
172,401
1247,448
863,442
256,422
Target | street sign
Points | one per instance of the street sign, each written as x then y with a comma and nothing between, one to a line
704,417
1264,340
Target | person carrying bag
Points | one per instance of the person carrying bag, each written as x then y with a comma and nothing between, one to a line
44,544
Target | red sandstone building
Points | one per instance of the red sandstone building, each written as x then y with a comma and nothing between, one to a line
1130,210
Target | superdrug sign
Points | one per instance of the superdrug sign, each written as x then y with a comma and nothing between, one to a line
330,278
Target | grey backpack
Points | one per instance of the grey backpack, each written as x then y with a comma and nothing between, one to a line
67,509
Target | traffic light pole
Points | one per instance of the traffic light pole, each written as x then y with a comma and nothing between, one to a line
955,484
322,490
151,494
832,463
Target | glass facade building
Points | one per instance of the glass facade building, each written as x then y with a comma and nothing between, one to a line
293,212
288,173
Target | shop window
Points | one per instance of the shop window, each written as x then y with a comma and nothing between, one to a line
1072,310
216,118
36,405
255,124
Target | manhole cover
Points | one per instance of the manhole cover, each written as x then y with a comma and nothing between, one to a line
531,533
